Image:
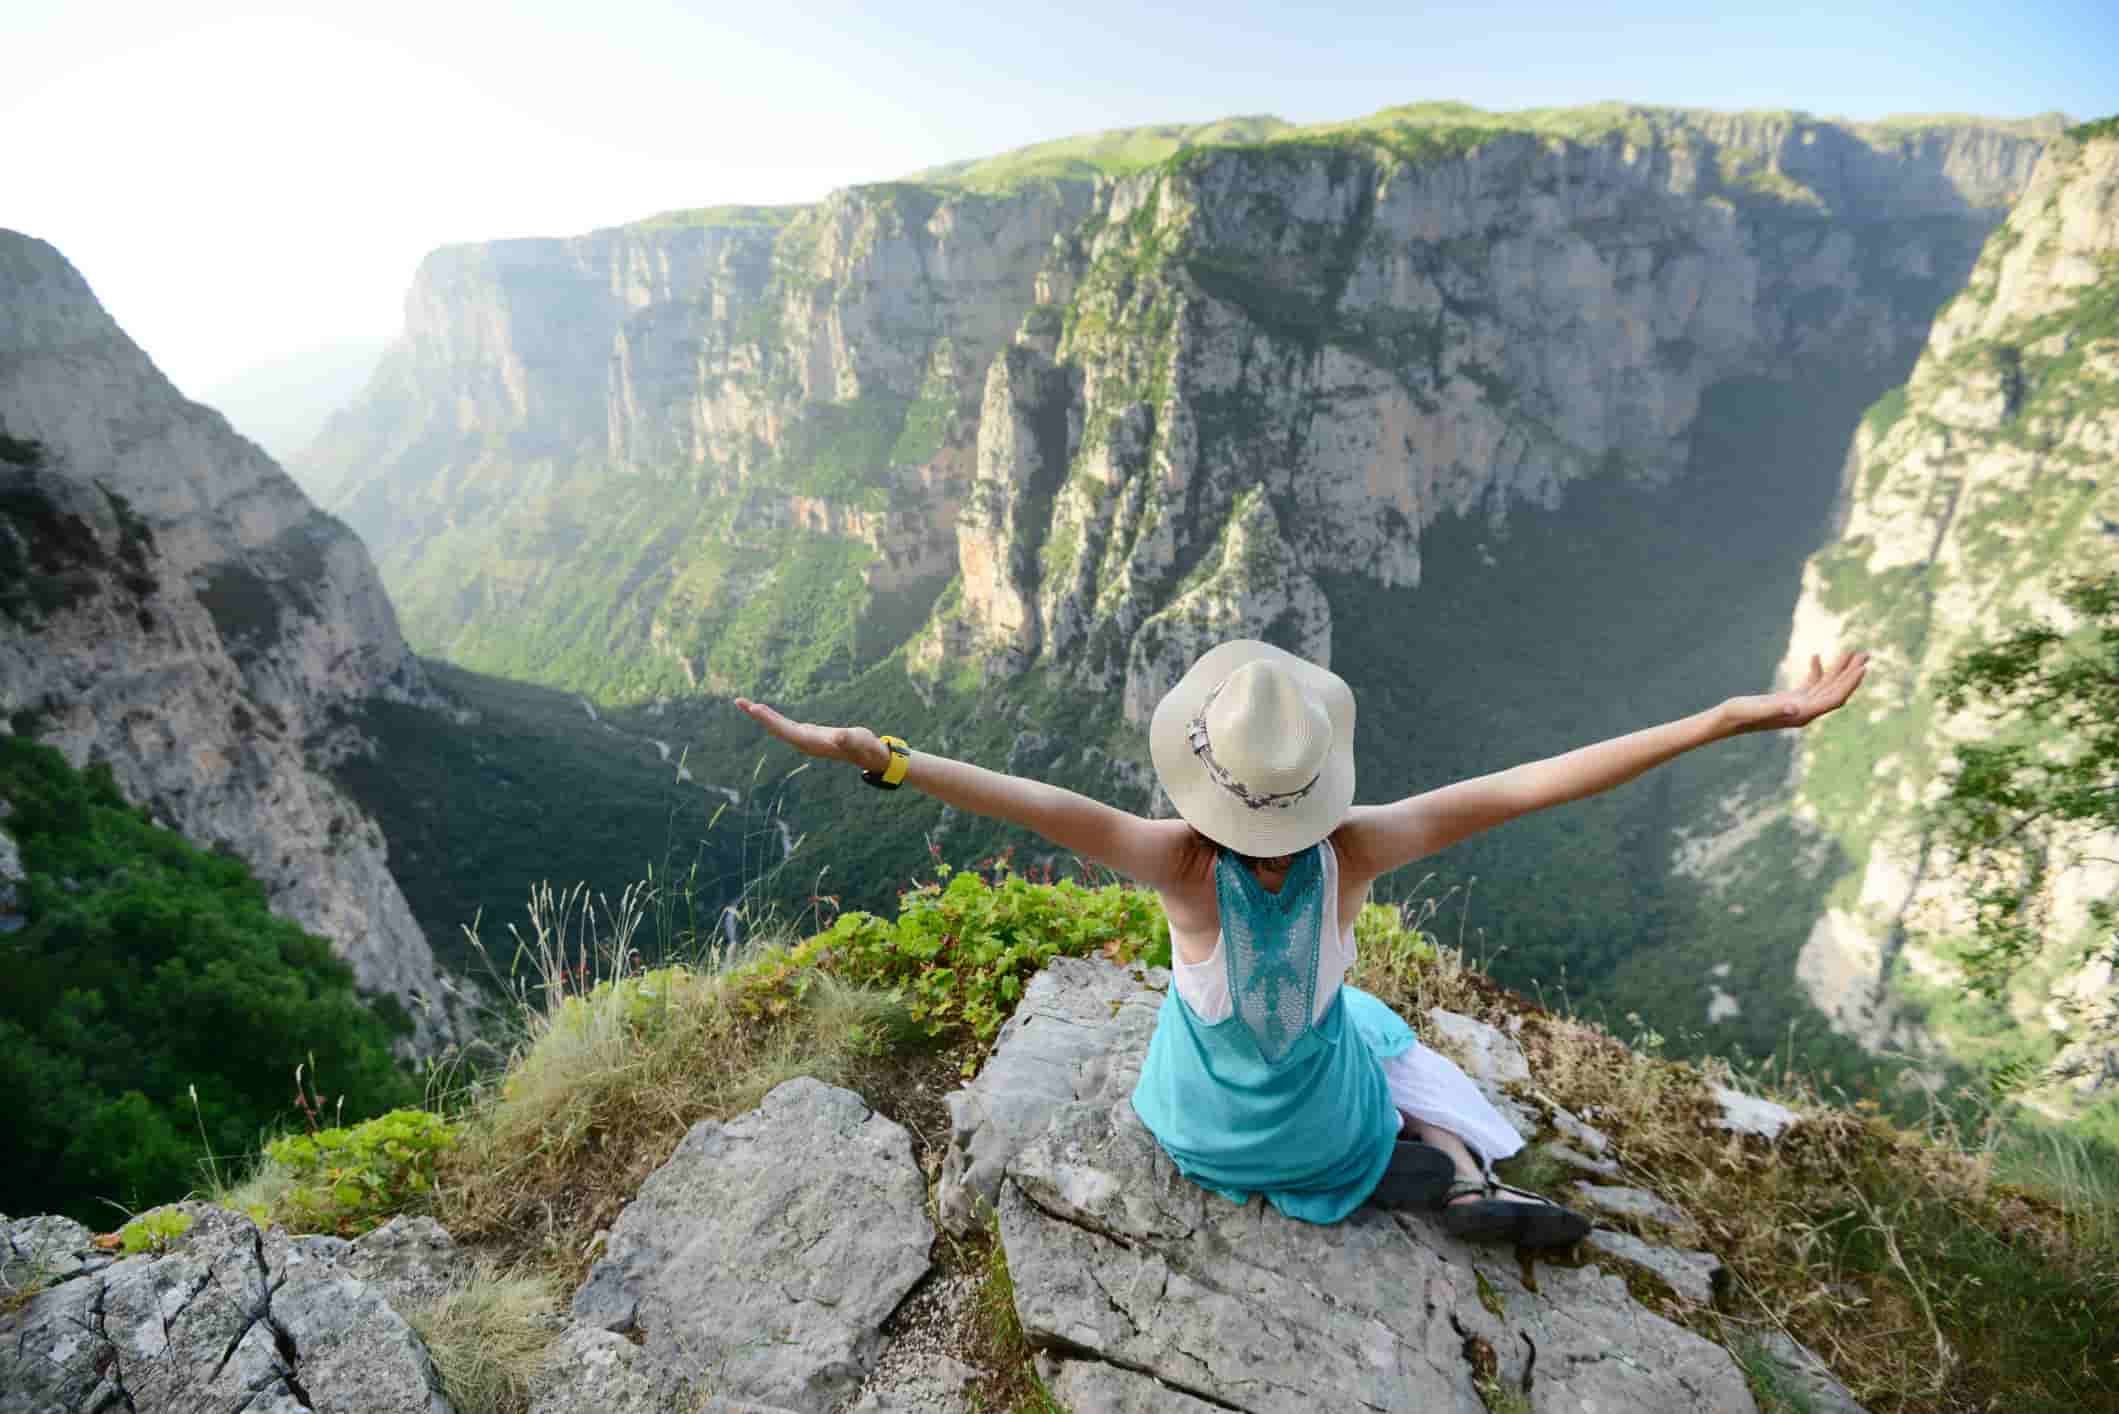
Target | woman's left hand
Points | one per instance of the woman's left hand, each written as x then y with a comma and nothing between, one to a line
1822,692
857,745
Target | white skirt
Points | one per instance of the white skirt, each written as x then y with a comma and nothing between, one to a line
1429,1087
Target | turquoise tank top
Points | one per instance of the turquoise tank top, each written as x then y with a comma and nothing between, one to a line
1269,1100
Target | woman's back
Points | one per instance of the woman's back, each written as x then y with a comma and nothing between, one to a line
1268,1096
1204,983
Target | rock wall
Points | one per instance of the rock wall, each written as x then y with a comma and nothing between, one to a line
811,371
179,610
1371,324
1970,494
1305,352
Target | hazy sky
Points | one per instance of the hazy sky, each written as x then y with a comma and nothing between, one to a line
243,181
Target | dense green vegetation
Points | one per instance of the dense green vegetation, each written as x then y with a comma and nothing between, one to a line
2095,129
147,973
528,789
630,587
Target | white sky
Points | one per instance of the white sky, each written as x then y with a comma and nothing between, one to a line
241,181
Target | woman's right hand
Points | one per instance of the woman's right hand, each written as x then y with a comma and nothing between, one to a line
856,745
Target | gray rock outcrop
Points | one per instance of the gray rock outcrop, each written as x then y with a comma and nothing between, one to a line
228,1318
1060,1025
179,610
1151,1292
761,1260
42,1251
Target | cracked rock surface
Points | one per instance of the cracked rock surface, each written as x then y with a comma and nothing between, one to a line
1137,1277
760,1262
228,1319
43,1250
1059,1025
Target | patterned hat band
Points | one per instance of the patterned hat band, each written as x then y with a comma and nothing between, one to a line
1196,735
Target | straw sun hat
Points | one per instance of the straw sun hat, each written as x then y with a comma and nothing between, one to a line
1256,748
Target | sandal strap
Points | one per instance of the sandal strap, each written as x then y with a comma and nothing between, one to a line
1495,1185
1464,1187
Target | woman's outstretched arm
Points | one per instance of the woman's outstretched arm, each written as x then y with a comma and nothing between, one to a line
1150,851
1378,838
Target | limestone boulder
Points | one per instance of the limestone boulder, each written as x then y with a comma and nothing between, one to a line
1634,1205
591,1371
761,1260
44,1251
229,1317
1798,1371
1689,1274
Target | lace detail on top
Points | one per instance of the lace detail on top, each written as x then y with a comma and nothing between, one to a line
1204,985
1271,944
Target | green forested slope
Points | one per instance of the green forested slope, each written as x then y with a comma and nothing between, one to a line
149,971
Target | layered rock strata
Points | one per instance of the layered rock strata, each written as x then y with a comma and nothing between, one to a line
1364,325
177,609
804,372
1256,364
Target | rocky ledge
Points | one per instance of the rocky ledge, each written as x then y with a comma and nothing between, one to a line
769,1265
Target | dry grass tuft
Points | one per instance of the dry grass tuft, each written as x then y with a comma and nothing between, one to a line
614,1065
488,1335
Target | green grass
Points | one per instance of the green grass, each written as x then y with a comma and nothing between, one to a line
1884,413
1115,153
719,217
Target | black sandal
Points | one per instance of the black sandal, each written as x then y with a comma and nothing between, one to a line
1538,1223
1417,1175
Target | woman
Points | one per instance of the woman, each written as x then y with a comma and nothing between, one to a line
1266,1072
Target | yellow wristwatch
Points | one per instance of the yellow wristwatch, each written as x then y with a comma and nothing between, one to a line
893,775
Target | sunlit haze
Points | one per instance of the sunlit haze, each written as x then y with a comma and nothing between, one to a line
241,182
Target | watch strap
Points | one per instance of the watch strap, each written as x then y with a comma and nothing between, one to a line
892,775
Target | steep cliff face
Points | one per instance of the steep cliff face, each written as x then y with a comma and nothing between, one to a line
174,606
1316,346
1971,492
733,422
732,447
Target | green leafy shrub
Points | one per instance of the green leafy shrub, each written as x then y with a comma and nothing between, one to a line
348,1181
963,946
153,1231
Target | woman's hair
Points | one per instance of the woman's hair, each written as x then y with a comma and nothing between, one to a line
1249,861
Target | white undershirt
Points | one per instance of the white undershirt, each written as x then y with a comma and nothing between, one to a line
1205,985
